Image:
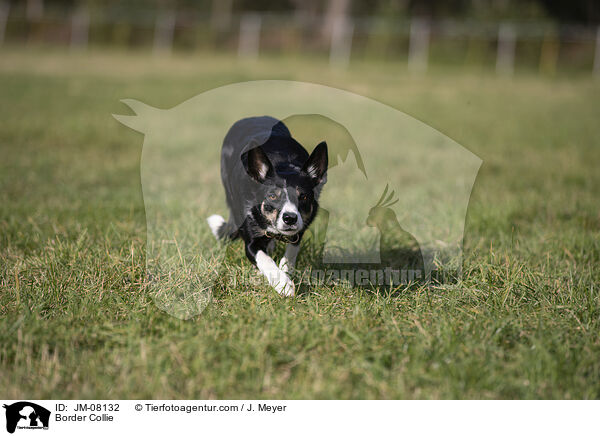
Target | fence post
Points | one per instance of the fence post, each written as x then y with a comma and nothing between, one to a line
163,32
418,47
4,11
597,54
505,60
249,42
341,41
80,23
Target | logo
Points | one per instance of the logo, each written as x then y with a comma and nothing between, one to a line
391,214
26,415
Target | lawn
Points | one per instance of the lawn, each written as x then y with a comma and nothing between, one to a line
78,320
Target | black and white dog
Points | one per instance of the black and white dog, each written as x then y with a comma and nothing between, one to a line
272,187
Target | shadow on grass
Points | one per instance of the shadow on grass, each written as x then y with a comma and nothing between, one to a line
400,269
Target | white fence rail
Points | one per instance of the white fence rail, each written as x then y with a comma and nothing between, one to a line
415,41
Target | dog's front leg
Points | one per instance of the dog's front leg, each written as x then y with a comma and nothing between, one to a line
267,266
288,261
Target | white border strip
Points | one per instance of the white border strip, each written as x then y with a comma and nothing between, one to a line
267,417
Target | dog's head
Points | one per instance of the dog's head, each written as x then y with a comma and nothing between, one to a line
288,195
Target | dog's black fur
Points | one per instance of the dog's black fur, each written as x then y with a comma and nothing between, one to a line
268,178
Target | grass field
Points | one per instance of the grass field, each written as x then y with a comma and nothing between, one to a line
77,320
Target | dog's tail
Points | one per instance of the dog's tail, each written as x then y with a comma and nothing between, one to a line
221,228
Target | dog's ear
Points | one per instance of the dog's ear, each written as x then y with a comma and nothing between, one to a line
257,164
317,163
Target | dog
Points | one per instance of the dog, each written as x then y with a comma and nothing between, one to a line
272,186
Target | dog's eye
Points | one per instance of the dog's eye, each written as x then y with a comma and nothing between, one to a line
302,197
272,197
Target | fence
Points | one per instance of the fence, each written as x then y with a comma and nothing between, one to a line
418,42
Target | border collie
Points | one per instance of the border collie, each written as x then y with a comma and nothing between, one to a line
272,187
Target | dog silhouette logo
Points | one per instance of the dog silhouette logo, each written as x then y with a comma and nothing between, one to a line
26,415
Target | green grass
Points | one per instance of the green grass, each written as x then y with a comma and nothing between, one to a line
78,321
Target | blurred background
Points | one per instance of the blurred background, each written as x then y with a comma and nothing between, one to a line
545,36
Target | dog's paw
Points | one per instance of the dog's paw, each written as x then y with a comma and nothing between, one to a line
284,265
285,287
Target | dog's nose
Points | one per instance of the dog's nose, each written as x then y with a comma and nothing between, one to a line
290,218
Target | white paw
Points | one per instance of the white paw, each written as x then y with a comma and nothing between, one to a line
285,287
284,265
215,222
